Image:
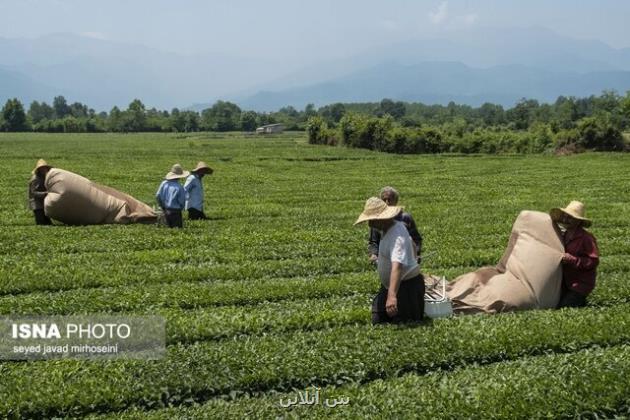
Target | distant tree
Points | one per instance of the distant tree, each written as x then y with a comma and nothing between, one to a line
60,106
309,111
177,120
451,109
522,115
599,133
289,111
156,122
135,118
222,116
248,121
264,119
625,109
191,119
73,125
78,110
543,114
319,133
185,121
566,112
38,112
608,101
584,107
333,113
491,114
95,124
389,107
114,122
14,117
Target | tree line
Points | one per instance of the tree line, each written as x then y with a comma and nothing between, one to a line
566,126
593,122
61,117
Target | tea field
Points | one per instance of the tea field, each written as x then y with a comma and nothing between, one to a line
271,296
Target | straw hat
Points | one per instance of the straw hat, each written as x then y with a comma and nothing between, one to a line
377,209
41,163
575,209
176,172
202,166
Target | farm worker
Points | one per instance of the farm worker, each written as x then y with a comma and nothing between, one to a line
194,191
37,192
401,296
390,196
171,196
581,255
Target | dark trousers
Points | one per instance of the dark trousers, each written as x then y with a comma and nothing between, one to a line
41,218
571,299
410,302
194,214
173,218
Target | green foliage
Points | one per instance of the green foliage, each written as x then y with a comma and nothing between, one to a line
458,128
625,108
548,386
394,109
183,121
598,133
13,116
248,121
353,354
72,125
319,133
272,295
222,116
332,113
60,105
39,112
134,119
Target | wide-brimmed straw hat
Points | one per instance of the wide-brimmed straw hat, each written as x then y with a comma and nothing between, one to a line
176,172
575,209
41,163
202,166
377,209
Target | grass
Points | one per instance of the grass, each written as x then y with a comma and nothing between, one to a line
272,295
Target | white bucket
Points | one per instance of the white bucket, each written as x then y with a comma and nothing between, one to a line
440,306
434,309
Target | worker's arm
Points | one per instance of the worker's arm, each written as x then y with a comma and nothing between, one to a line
32,190
588,258
391,305
181,197
158,195
189,185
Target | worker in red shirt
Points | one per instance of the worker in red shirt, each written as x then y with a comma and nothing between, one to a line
581,256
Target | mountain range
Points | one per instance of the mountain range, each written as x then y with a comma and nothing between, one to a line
470,67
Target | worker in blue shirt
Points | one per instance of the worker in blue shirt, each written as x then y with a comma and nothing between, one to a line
171,196
194,191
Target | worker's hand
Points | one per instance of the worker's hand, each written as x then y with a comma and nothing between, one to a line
373,257
567,258
391,306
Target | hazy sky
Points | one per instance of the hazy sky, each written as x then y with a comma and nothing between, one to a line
300,28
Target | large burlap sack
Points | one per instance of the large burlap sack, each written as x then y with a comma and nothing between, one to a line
75,200
528,276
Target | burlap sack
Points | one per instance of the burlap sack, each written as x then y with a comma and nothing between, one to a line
528,276
75,200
